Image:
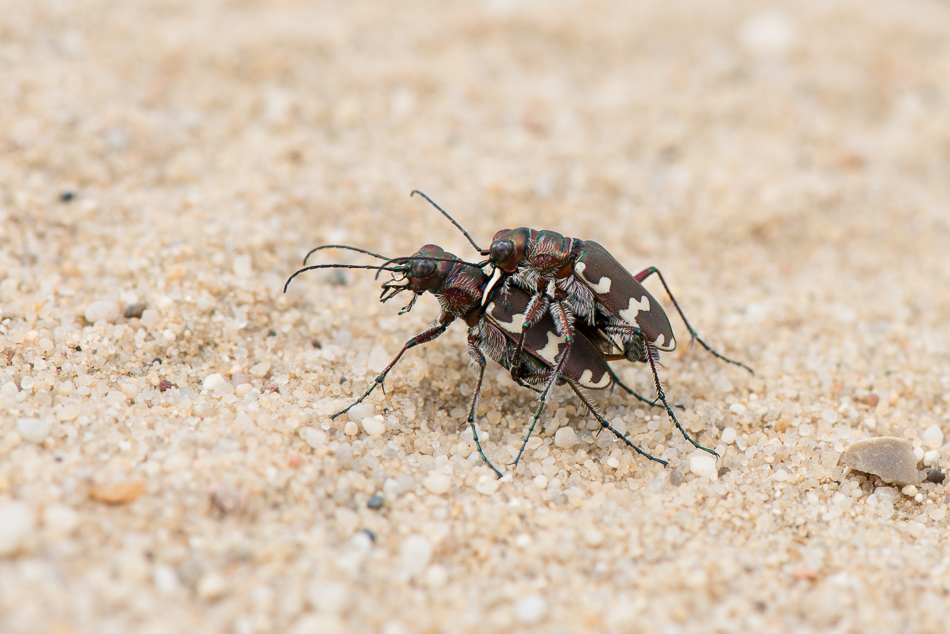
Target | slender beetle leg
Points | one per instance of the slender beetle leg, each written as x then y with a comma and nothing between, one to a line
617,382
644,274
421,338
479,358
605,425
555,373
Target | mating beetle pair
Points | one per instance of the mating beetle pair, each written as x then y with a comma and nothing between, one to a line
552,312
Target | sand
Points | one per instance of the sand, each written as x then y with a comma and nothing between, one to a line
167,458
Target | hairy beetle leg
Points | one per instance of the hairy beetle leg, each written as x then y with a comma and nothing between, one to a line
642,275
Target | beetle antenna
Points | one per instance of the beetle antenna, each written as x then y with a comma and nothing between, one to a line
338,266
451,219
342,246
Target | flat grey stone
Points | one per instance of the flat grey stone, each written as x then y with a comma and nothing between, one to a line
891,459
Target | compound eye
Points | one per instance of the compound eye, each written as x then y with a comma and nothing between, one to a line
501,250
422,268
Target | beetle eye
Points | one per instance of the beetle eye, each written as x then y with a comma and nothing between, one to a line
422,268
501,250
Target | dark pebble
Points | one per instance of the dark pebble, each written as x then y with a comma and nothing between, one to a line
376,502
316,344
370,533
676,477
936,476
271,333
67,196
135,310
164,385
723,471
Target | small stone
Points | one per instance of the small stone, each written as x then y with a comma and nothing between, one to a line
260,370
376,502
378,360
164,385
165,579
676,477
134,311
487,485
738,408
768,33
829,416
239,378
9,389
931,458
9,442
437,483
938,513
565,438
728,436
530,608
34,430
612,462
60,520
703,464
886,494
910,490
360,411
780,475
227,499
374,425
149,317
212,381
211,586
871,400
891,459
16,525
541,482
102,311
316,438
936,476
932,435
118,492
351,428
415,553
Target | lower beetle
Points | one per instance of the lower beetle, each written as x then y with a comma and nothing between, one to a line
545,356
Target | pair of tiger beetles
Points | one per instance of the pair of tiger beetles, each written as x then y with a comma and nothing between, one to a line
552,311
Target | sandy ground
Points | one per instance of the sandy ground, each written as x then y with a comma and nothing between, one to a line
176,469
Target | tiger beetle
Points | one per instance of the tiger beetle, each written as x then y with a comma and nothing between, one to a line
572,279
462,289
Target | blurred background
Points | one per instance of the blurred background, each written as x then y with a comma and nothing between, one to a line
785,164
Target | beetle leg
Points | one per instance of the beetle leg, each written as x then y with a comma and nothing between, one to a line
555,373
421,338
617,382
605,425
537,306
479,358
642,275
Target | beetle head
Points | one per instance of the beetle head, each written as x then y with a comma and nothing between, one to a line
425,270
508,248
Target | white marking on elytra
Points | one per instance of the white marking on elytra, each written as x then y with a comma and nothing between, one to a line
630,313
601,288
514,326
587,380
550,349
